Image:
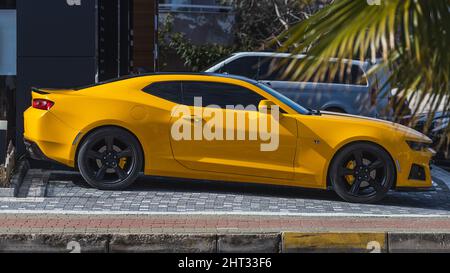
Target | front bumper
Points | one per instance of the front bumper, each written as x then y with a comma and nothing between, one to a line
414,169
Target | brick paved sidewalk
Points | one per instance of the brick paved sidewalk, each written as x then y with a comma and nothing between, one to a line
58,212
190,224
165,206
47,191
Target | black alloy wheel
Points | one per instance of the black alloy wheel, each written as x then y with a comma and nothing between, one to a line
362,173
110,159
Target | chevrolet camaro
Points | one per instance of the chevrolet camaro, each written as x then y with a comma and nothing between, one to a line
113,131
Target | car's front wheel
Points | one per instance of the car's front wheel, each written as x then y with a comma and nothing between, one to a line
362,173
110,159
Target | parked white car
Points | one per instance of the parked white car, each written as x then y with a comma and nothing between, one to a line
354,93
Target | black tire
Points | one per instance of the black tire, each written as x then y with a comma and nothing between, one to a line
110,159
371,175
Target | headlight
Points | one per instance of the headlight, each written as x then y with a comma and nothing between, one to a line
418,146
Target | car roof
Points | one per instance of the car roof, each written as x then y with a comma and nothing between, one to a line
228,76
287,55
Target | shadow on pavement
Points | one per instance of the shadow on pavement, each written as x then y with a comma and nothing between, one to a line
148,183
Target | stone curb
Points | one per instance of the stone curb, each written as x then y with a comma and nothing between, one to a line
34,184
234,243
249,243
417,242
163,243
53,243
16,180
294,242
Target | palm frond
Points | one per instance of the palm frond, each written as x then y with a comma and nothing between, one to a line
410,37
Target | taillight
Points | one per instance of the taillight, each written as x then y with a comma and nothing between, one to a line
43,104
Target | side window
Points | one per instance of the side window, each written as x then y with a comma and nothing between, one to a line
349,75
245,66
273,69
219,94
170,91
346,75
358,76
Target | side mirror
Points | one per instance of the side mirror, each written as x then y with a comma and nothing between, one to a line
266,106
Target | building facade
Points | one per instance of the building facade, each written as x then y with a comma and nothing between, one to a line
200,21
69,43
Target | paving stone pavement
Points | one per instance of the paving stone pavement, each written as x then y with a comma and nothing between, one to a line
66,191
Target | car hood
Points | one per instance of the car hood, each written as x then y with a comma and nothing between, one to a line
398,128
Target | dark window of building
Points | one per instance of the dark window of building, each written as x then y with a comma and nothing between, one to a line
144,35
7,4
8,44
170,91
245,66
8,71
7,91
275,69
114,38
219,94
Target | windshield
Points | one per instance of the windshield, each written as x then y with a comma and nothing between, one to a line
299,109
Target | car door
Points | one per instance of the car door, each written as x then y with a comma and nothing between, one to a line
231,155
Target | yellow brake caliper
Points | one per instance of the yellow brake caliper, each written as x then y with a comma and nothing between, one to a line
350,178
122,162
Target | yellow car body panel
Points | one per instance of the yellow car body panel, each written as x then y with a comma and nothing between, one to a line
240,157
308,143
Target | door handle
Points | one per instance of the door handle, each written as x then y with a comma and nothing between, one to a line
193,118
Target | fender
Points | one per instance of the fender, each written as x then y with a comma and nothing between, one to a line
99,124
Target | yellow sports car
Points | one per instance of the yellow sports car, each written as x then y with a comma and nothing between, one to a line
113,131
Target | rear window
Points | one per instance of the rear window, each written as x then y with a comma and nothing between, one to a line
170,91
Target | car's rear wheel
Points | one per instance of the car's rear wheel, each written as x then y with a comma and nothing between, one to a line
110,159
362,173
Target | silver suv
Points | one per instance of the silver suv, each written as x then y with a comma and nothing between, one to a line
354,93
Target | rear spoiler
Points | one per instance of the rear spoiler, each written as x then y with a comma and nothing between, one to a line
37,90
49,91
